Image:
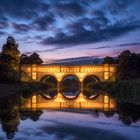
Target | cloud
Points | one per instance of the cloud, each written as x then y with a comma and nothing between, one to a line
2,33
130,44
69,9
119,45
42,23
98,13
23,9
4,23
119,6
21,27
41,51
89,36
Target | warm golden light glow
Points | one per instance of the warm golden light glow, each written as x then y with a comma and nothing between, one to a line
106,75
34,75
106,99
38,102
102,71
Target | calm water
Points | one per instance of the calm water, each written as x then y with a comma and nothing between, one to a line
26,117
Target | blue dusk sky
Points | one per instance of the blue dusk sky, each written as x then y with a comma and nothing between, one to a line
60,29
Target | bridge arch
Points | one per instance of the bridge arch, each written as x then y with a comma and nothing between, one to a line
88,86
70,74
70,86
47,76
50,91
97,79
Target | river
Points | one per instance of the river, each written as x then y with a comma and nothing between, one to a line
31,116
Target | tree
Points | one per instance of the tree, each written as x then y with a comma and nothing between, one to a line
128,66
24,59
10,117
34,59
109,60
9,61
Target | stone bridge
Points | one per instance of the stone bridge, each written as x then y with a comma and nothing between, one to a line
100,72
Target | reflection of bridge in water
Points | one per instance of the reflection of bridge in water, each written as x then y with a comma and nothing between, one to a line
103,102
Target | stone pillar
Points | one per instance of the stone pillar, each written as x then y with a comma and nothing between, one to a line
106,71
59,87
81,87
33,72
34,102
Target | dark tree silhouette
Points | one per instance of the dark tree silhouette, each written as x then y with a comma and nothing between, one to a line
35,59
32,59
109,60
24,59
9,61
128,66
10,116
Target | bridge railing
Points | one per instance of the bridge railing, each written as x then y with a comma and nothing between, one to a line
63,69
70,105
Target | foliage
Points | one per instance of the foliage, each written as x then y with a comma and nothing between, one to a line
109,60
32,59
10,54
9,116
24,59
9,61
122,91
128,66
127,90
128,113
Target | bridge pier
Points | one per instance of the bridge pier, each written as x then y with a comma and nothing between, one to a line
59,85
81,87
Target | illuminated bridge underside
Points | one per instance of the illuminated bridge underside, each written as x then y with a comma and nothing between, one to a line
37,102
37,72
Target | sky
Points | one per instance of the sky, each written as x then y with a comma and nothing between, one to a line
60,29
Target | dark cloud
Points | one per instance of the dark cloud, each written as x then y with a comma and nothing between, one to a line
69,9
84,24
2,33
129,44
87,36
23,9
4,23
21,27
41,51
119,45
117,6
76,28
42,23
98,13
97,23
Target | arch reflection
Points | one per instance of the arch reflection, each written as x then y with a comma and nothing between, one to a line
88,87
70,86
50,90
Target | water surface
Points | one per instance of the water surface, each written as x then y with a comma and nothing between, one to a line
21,121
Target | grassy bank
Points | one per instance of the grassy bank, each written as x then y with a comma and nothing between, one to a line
124,91
7,89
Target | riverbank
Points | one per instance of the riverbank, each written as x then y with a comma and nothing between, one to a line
123,91
7,89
